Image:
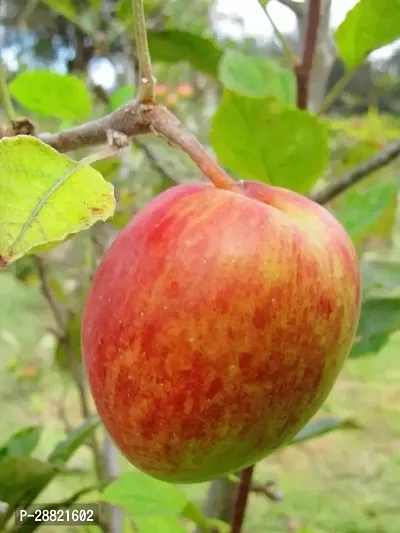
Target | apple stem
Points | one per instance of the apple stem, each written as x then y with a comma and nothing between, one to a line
165,124
242,496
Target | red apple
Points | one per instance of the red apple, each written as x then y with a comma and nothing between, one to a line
216,326
161,89
185,90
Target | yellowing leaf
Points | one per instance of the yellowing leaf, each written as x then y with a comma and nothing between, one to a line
51,94
42,199
369,25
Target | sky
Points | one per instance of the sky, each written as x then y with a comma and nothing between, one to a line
257,25
254,24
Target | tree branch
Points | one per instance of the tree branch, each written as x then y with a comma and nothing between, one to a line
337,90
242,497
133,119
287,51
129,119
303,71
364,169
155,163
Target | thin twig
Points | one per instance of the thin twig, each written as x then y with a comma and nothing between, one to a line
147,82
61,317
296,7
5,97
60,314
303,71
112,516
336,90
364,169
242,497
62,411
288,52
267,489
155,162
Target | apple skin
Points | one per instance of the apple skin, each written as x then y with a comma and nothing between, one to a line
216,326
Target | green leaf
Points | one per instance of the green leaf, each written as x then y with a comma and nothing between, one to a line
268,142
142,495
153,504
22,443
175,45
369,25
370,346
108,168
123,9
95,4
154,524
51,94
120,96
192,512
256,77
322,427
42,199
378,316
379,275
23,478
65,448
219,526
360,209
19,478
65,8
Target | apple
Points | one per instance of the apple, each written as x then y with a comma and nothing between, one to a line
172,99
216,326
185,90
161,89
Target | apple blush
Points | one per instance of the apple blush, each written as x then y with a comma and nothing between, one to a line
216,326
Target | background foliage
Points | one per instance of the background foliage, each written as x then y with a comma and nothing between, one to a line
68,61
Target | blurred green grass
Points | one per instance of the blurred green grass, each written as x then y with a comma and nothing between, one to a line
346,482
